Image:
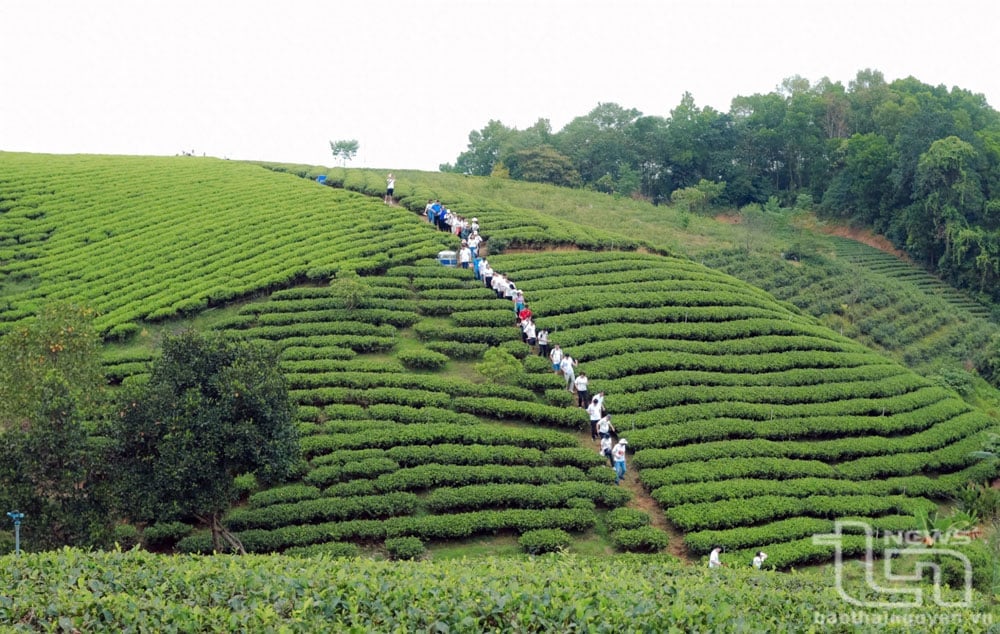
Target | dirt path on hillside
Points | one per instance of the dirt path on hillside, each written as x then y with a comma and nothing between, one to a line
642,501
864,236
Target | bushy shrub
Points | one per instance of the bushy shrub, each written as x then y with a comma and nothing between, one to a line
458,349
518,349
625,519
644,539
981,558
560,397
581,503
535,363
544,540
422,359
164,534
244,485
126,536
499,366
404,547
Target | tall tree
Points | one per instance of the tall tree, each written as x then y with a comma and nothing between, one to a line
50,391
598,144
950,193
212,409
484,149
542,164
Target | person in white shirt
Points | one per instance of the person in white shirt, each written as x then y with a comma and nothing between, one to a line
568,365
759,559
529,332
543,343
474,241
390,185
604,426
618,458
510,292
599,397
465,256
713,558
556,358
594,411
581,382
606,450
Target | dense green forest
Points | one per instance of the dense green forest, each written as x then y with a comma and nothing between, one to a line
917,163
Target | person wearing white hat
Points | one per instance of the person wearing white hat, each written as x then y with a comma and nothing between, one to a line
759,559
618,457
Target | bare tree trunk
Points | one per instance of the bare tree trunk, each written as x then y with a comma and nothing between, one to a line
223,532
220,533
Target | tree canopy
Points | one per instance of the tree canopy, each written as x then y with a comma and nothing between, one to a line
917,163
212,409
50,382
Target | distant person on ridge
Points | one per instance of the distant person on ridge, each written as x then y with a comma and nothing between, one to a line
390,186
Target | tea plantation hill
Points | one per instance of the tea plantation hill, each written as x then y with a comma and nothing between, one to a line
873,297
751,424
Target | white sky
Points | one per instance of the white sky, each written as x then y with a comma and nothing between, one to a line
409,79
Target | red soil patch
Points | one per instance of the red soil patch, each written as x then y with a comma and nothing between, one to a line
864,236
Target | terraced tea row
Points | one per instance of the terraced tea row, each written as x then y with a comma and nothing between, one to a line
744,390
150,238
393,451
873,298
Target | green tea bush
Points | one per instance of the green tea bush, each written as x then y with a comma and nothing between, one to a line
422,359
544,540
404,547
646,539
126,536
328,549
458,350
625,518
163,535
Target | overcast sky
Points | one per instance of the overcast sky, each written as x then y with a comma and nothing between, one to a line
409,79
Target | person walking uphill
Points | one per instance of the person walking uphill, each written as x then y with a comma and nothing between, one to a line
618,456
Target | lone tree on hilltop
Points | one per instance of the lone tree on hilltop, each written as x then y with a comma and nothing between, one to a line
345,149
212,409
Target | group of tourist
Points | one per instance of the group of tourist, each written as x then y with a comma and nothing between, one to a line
601,427
446,220
470,256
